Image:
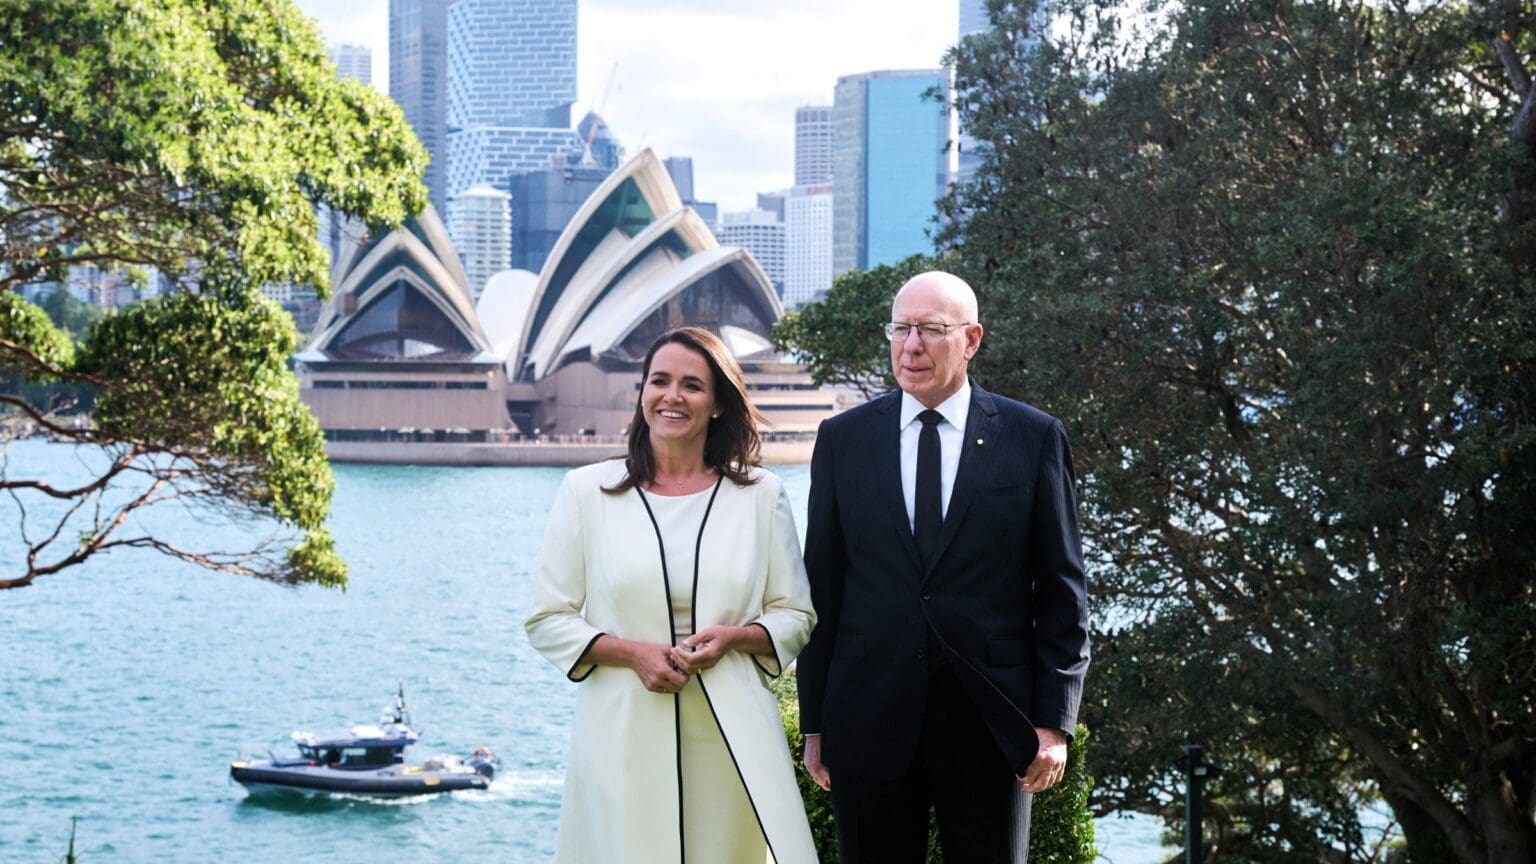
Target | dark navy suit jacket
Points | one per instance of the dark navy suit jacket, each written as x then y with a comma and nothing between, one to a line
1005,591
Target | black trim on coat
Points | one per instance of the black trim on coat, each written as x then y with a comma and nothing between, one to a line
677,698
772,646
571,672
737,765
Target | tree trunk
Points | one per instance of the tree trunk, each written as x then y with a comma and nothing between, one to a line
1427,843
1495,810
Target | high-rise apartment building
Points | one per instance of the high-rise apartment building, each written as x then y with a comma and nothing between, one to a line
511,82
353,61
889,167
813,145
418,79
761,233
480,224
511,63
807,244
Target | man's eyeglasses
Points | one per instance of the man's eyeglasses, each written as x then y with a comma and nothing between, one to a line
930,333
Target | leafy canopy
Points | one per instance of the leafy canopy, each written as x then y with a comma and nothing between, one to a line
193,139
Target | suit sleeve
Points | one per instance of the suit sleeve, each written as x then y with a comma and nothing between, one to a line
787,610
825,560
1060,595
556,627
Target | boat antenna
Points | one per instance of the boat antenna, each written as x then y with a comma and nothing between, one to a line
400,715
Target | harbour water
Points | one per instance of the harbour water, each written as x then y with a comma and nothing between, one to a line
129,683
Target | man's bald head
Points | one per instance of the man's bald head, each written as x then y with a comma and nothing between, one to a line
944,288
943,304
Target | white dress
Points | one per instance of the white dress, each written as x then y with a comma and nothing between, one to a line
718,824
645,781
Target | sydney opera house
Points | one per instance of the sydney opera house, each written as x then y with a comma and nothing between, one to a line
402,354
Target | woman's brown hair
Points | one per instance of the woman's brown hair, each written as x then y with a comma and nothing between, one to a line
731,446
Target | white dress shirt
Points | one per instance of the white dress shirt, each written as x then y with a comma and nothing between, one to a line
951,438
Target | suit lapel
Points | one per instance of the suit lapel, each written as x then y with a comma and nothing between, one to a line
981,425
888,468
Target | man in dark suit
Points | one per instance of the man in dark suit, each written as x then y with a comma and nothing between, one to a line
947,664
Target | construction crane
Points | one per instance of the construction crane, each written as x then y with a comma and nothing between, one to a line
597,117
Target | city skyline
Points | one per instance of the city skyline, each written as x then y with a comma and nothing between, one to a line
728,103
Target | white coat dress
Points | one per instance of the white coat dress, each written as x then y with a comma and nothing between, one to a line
600,571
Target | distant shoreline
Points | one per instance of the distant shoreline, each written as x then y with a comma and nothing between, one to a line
525,453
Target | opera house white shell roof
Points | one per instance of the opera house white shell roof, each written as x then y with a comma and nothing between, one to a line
632,263
401,296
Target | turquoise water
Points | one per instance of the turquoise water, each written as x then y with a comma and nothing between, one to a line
128,684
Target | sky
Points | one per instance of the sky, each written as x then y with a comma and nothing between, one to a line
718,80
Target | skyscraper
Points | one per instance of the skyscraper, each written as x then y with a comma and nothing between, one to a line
761,233
418,79
813,145
973,20
511,82
480,223
889,165
511,63
807,244
353,61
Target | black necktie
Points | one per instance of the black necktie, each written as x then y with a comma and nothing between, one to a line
928,500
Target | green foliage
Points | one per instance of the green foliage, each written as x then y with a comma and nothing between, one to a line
191,135
26,325
1061,828
194,138
840,336
1272,265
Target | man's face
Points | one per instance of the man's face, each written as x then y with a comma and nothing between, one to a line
932,371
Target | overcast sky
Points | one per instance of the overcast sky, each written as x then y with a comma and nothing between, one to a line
718,80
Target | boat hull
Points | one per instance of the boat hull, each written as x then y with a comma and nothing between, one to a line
392,781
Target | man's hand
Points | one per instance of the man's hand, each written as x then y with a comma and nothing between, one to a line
1049,765
818,771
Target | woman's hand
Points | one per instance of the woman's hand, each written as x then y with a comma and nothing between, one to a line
704,649
653,664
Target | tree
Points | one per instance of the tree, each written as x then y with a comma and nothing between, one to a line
1272,264
192,138
839,338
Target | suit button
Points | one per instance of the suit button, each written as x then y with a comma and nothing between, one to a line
925,595
921,654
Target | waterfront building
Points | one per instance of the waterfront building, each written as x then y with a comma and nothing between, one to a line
813,145
418,79
890,165
807,244
480,224
398,353
353,61
632,263
760,232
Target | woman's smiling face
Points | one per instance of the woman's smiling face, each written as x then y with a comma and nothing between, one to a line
679,394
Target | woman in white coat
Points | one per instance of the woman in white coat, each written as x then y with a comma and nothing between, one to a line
670,585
